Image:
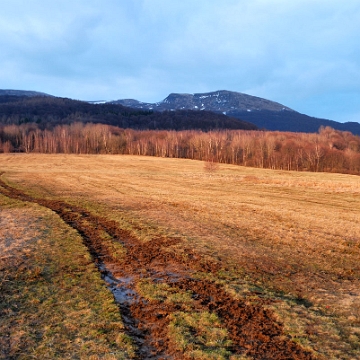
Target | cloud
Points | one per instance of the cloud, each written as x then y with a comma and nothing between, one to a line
287,51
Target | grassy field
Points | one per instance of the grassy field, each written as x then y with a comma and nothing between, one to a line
290,237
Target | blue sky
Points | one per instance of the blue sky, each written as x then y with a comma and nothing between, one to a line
304,54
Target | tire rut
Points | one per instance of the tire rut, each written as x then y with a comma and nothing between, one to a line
252,329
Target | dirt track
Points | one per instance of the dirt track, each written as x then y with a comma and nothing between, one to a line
252,329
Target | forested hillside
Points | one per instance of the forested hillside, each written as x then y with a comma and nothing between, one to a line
48,112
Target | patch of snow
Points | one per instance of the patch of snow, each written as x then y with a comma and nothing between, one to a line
96,102
248,110
224,112
195,107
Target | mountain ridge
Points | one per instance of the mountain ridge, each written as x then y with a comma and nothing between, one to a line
217,101
265,114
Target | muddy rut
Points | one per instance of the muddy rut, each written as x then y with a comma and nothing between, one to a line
252,329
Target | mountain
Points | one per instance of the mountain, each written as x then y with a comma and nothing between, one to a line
265,114
217,101
49,111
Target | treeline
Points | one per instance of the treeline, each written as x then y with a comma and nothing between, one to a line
329,150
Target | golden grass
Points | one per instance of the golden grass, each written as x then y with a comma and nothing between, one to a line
290,235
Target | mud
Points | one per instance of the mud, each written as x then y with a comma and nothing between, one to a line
252,328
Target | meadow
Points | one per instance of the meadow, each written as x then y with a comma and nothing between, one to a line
280,243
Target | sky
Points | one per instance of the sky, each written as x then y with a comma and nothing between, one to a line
304,54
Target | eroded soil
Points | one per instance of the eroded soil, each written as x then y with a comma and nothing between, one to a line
252,329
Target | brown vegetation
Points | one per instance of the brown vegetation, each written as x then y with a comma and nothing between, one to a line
328,151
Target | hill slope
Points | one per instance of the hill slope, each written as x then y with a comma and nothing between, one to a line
22,93
51,111
263,113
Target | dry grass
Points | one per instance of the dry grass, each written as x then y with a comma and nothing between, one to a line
293,236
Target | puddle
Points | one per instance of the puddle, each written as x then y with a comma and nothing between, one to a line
119,286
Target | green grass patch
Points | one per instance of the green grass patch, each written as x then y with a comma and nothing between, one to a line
199,335
164,293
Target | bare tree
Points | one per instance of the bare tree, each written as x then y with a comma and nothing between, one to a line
211,165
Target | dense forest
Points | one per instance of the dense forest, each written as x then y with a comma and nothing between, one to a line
329,150
48,112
